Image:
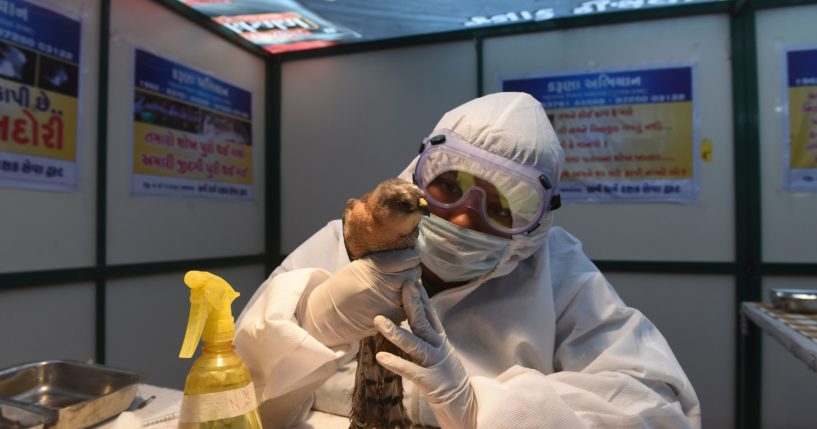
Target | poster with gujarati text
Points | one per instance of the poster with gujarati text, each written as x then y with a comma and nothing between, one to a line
801,90
628,136
191,133
39,87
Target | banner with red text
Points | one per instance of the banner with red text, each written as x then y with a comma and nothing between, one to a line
801,129
191,133
628,136
39,87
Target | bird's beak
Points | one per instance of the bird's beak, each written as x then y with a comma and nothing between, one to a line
423,206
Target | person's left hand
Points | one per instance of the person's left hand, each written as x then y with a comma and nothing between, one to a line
434,367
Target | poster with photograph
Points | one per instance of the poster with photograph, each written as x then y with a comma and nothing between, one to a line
628,136
801,127
39,87
192,133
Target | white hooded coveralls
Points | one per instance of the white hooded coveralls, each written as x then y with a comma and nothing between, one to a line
544,338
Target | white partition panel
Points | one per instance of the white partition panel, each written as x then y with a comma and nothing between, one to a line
788,386
147,318
695,314
351,121
47,322
43,229
146,229
658,231
788,218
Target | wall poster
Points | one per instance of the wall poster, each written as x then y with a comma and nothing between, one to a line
801,126
39,88
192,133
628,136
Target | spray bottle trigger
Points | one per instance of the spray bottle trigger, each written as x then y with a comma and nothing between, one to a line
195,324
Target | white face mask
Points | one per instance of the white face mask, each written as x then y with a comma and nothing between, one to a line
456,254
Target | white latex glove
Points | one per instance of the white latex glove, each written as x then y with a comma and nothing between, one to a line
434,367
340,310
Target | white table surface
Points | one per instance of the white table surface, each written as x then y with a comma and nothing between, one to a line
162,412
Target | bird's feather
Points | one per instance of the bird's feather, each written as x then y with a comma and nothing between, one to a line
384,219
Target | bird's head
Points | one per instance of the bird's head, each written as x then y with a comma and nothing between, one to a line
399,203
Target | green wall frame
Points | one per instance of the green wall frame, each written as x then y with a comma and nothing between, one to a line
272,167
747,211
101,180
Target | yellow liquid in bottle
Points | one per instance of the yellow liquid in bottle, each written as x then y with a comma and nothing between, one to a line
220,369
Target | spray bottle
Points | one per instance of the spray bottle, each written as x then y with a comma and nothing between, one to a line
219,392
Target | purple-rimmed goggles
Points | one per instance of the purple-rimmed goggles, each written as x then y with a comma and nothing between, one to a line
511,198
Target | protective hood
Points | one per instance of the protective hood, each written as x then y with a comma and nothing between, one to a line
512,125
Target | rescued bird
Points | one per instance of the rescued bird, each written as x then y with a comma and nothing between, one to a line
384,219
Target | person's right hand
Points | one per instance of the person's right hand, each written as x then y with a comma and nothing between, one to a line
341,309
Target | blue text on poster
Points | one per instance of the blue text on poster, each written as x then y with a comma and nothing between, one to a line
801,91
628,136
192,132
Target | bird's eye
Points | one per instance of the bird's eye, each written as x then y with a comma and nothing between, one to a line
404,205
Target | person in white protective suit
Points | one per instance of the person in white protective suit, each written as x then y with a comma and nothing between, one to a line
521,329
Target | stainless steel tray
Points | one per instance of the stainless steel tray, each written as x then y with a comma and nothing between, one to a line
794,300
16,415
80,394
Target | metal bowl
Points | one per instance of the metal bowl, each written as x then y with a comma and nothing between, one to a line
80,394
794,300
